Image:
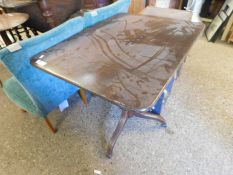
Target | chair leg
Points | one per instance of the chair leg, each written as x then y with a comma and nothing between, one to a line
117,132
54,130
82,95
1,85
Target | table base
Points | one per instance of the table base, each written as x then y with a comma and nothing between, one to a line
124,117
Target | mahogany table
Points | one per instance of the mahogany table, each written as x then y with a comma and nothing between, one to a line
9,21
127,60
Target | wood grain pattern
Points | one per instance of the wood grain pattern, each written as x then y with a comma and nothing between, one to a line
127,59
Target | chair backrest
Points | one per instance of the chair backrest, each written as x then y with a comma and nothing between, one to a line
98,15
45,88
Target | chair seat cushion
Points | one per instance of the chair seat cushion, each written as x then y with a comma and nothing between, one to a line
13,89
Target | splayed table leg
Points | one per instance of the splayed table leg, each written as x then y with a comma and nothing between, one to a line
117,132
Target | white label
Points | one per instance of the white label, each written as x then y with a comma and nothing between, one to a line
41,63
97,172
63,105
42,56
94,13
14,47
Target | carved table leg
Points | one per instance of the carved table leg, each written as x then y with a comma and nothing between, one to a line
117,132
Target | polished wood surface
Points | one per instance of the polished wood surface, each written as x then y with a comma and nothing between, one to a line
127,59
11,20
167,13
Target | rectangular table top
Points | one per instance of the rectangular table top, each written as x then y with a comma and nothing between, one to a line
127,59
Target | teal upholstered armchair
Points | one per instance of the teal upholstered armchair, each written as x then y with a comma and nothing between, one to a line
31,89
38,92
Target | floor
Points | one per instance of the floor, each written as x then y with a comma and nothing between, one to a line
198,140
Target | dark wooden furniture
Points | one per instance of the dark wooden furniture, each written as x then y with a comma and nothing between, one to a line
9,21
127,60
46,14
211,8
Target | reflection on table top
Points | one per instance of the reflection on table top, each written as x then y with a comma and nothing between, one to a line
127,59
11,20
167,13
15,3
